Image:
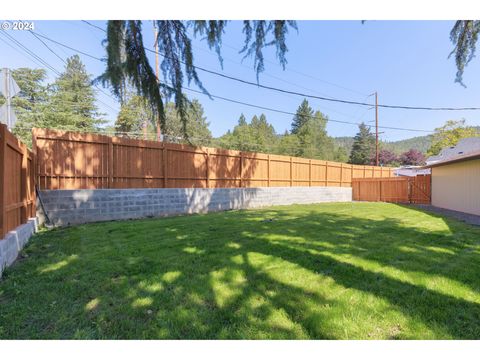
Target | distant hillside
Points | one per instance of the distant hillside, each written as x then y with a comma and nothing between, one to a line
420,143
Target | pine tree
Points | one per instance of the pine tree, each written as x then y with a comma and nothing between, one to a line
29,104
303,114
314,140
242,120
72,103
363,146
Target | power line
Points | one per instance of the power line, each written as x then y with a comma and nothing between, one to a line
291,113
324,98
69,47
48,47
282,111
29,52
93,25
45,63
268,61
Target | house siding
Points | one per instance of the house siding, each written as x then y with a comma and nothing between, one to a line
457,186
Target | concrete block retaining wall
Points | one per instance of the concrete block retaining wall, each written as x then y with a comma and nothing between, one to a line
66,207
14,241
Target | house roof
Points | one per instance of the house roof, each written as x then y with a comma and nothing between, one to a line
466,149
456,159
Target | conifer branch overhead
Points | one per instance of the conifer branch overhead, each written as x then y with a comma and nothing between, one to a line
127,59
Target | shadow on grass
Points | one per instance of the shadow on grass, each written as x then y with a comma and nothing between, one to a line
304,272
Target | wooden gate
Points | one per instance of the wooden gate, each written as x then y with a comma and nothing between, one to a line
403,189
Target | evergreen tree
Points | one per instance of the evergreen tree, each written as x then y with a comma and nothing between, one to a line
72,102
256,136
29,105
288,144
242,120
363,146
303,114
314,140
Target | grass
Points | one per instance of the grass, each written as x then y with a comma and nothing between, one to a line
328,271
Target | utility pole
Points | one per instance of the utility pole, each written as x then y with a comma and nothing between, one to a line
376,129
157,71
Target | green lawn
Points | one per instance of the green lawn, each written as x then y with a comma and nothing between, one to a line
328,271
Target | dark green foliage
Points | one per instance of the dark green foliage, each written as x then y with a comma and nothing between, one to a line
72,102
68,103
421,143
303,114
314,142
127,59
256,136
363,146
29,104
464,35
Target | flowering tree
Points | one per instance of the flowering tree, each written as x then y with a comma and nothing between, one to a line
412,157
385,157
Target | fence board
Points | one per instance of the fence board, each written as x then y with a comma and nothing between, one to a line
74,161
17,187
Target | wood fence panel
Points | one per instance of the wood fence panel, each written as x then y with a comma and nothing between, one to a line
17,190
402,189
421,189
75,161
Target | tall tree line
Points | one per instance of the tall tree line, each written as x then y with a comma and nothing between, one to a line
68,103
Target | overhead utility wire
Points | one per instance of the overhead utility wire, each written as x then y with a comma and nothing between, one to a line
291,113
343,101
45,63
286,112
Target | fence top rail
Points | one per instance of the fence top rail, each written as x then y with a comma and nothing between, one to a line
398,178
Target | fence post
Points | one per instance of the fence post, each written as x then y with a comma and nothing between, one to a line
3,149
326,173
291,172
23,184
380,184
268,170
310,172
207,162
165,166
341,174
110,163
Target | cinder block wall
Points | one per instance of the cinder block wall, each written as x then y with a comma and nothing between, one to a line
14,241
66,207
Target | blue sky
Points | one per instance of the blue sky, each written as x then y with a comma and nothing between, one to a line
405,61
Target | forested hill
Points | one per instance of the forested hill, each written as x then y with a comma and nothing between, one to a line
420,143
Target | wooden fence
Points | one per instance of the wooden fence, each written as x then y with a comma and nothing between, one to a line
17,187
404,189
68,160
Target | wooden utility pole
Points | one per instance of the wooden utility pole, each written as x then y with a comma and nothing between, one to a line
376,129
157,71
